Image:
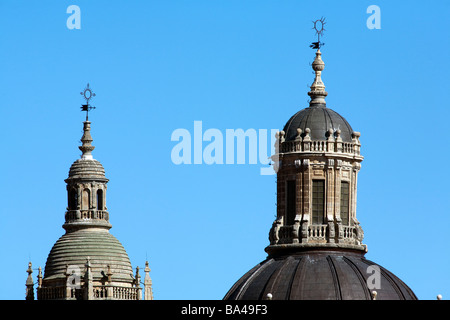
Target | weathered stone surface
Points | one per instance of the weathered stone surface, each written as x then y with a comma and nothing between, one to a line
102,248
88,262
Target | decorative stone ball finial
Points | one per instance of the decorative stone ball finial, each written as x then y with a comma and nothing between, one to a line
374,295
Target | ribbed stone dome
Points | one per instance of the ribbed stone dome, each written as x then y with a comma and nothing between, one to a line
102,248
87,168
318,275
319,119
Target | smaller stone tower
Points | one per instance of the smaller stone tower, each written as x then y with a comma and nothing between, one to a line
88,262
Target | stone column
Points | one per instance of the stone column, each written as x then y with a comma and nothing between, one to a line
298,203
306,200
330,194
337,199
88,282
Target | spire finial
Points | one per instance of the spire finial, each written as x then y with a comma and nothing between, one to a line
319,27
148,293
29,271
88,94
39,277
29,284
137,278
86,139
318,92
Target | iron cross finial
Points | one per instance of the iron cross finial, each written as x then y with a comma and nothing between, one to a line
319,27
88,94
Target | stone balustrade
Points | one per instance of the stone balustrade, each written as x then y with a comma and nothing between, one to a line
314,234
317,232
73,215
51,293
320,146
99,292
126,293
349,232
285,234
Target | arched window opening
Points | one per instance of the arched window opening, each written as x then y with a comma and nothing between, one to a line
85,200
73,199
99,199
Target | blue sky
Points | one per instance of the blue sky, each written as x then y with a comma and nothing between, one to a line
158,66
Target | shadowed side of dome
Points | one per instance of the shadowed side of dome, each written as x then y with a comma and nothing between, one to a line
316,275
101,247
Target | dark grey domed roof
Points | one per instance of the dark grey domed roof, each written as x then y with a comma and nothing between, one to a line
99,245
318,275
318,119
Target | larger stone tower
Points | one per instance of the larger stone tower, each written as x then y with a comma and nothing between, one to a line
316,250
88,262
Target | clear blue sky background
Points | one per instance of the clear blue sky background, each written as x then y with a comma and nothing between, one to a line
157,66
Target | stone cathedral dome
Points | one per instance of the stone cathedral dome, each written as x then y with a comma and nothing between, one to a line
102,248
319,275
318,119
316,250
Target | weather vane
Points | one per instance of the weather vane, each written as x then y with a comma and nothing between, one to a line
319,27
88,95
